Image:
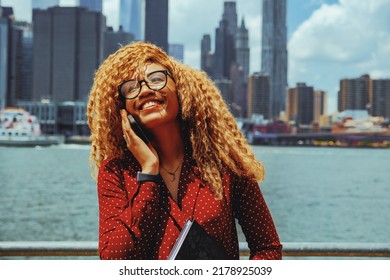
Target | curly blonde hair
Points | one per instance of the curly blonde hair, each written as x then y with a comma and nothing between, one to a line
216,141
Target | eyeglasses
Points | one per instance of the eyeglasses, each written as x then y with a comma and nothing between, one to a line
156,80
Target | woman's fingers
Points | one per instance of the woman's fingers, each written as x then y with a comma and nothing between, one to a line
144,153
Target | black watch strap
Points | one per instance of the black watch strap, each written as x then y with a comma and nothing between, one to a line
144,177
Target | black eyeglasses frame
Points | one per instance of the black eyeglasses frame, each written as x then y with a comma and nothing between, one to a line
166,72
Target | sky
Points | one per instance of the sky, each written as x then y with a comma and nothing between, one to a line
328,40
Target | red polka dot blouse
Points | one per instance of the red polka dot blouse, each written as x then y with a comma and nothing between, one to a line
140,220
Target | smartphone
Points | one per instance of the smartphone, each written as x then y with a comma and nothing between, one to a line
137,129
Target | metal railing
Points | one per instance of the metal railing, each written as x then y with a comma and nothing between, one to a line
89,248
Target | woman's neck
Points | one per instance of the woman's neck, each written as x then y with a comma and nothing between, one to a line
169,145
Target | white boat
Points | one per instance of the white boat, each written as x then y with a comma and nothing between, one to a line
19,128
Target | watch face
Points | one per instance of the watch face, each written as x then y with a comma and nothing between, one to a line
143,177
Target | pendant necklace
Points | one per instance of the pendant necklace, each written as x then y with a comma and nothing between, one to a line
173,173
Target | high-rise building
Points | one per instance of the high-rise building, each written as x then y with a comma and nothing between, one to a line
364,93
24,57
240,70
205,51
224,55
230,16
239,89
258,94
320,99
130,17
8,55
4,48
92,5
44,4
114,40
177,51
242,48
300,104
355,94
274,52
156,23
381,98
68,48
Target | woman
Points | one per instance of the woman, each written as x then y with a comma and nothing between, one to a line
196,164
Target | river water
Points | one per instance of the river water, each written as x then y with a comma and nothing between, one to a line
314,194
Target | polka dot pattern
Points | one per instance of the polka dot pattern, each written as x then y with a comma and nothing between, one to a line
140,221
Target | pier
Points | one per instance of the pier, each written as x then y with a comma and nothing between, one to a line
328,139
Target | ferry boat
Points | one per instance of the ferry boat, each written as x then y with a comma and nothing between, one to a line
19,128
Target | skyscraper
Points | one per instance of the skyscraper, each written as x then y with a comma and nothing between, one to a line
113,40
4,54
68,48
23,63
240,79
225,34
156,23
274,52
130,17
242,48
205,51
92,5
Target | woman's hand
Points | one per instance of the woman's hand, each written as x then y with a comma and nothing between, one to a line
145,154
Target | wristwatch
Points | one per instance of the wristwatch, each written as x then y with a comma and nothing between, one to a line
144,177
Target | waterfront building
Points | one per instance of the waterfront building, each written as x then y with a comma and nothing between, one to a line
320,100
130,17
274,53
68,48
381,98
92,5
156,23
355,94
177,51
113,40
8,56
4,49
364,93
258,95
300,104
44,4
66,118
15,59
23,62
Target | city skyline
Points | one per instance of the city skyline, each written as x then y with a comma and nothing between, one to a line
319,54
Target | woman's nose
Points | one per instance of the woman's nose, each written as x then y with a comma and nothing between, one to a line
144,88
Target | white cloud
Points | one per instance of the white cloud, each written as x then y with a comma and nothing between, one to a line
346,39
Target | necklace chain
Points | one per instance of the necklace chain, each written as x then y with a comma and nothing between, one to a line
173,173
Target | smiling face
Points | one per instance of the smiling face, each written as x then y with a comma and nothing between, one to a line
154,107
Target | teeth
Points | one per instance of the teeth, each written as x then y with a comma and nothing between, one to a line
149,104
